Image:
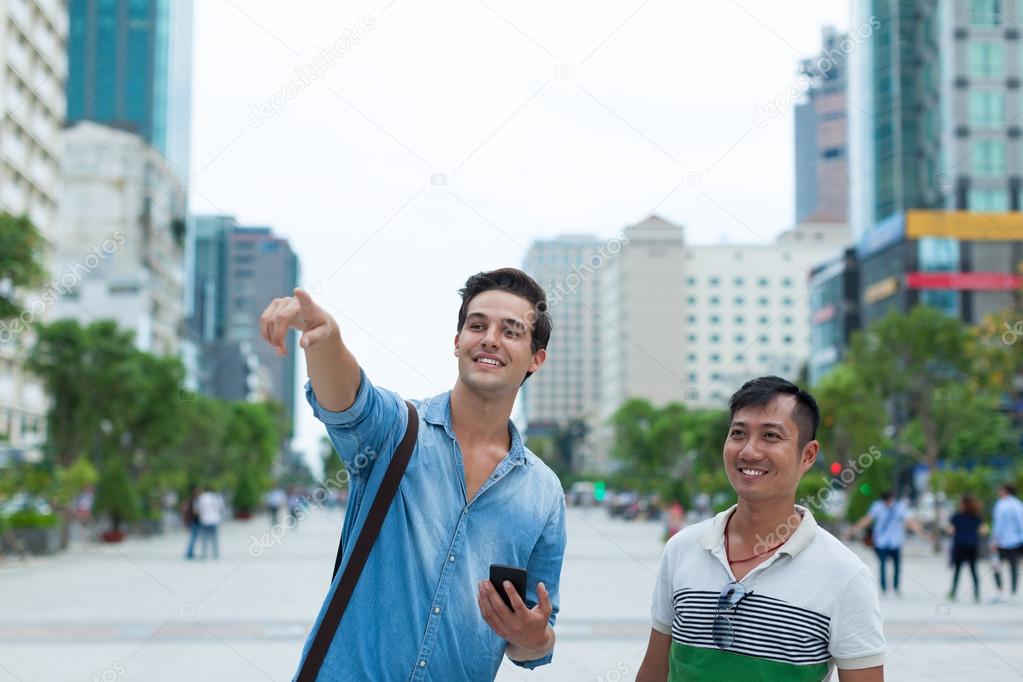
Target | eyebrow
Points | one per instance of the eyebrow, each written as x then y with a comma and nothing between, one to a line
766,425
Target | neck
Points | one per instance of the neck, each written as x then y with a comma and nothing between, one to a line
480,419
765,522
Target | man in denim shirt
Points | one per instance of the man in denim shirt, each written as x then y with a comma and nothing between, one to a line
472,495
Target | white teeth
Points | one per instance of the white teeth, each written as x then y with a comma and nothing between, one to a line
488,361
752,472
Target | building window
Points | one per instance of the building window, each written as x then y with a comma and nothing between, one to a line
990,200
714,300
787,320
787,340
714,357
739,319
691,357
762,282
988,158
715,338
739,338
691,300
985,12
786,301
787,282
762,300
691,338
764,339
714,281
987,109
739,300
691,281
739,281
763,319
693,378
691,319
714,319
740,358
987,60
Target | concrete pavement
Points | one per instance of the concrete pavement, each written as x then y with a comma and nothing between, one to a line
138,611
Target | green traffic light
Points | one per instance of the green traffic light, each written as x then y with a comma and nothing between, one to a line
865,489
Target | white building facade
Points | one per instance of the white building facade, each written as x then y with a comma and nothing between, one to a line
33,52
120,237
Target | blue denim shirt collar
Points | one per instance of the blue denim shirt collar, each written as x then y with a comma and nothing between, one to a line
437,411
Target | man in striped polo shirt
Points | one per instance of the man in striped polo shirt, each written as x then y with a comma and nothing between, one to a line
760,592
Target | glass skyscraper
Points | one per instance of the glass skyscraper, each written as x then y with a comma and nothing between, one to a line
129,66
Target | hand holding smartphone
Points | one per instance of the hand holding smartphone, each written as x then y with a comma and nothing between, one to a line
513,574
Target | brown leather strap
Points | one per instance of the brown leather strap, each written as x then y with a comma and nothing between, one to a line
363,545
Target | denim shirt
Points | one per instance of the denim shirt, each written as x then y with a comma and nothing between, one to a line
414,614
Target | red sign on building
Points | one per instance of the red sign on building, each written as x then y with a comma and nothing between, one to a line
964,281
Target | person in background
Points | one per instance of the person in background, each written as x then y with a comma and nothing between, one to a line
191,521
209,507
275,501
966,526
1007,537
890,518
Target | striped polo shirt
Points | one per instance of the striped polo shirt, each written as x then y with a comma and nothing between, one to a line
809,607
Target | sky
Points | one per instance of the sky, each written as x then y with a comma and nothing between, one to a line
401,147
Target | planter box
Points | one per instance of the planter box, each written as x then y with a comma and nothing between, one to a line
32,540
113,535
243,514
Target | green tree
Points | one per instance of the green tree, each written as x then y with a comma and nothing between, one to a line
115,494
22,262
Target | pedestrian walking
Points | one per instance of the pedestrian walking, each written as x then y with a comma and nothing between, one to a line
190,519
209,508
966,528
889,519
1007,538
276,499
760,591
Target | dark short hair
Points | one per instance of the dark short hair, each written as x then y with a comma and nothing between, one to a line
761,391
516,282
1009,488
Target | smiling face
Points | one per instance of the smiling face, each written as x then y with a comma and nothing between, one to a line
494,347
762,455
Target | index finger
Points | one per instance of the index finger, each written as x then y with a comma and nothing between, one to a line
518,606
545,600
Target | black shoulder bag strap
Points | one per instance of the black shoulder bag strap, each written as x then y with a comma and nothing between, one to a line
363,545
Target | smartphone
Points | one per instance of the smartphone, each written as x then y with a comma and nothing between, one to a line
513,574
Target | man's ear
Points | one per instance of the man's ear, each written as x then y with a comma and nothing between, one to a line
456,343
809,455
539,357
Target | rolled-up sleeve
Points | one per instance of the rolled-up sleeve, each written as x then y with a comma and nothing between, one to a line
545,567
368,431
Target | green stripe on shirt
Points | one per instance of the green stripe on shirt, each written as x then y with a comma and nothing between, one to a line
694,664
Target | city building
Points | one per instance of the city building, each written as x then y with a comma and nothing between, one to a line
130,67
237,272
747,310
33,53
822,164
835,311
936,163
119,240
566,392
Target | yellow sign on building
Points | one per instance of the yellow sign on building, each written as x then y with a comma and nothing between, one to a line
965,225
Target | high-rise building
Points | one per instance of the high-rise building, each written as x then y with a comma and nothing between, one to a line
747,310
33,60
120,236
565,393
641,321
130,68
936,160
834,311
237,272
822,167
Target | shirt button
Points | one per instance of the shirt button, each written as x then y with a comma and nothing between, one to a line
451,558
436,609
422,664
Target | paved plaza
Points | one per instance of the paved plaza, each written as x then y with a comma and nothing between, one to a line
138,611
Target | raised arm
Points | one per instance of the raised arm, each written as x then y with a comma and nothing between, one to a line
332,368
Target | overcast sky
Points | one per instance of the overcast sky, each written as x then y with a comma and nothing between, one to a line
540,119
